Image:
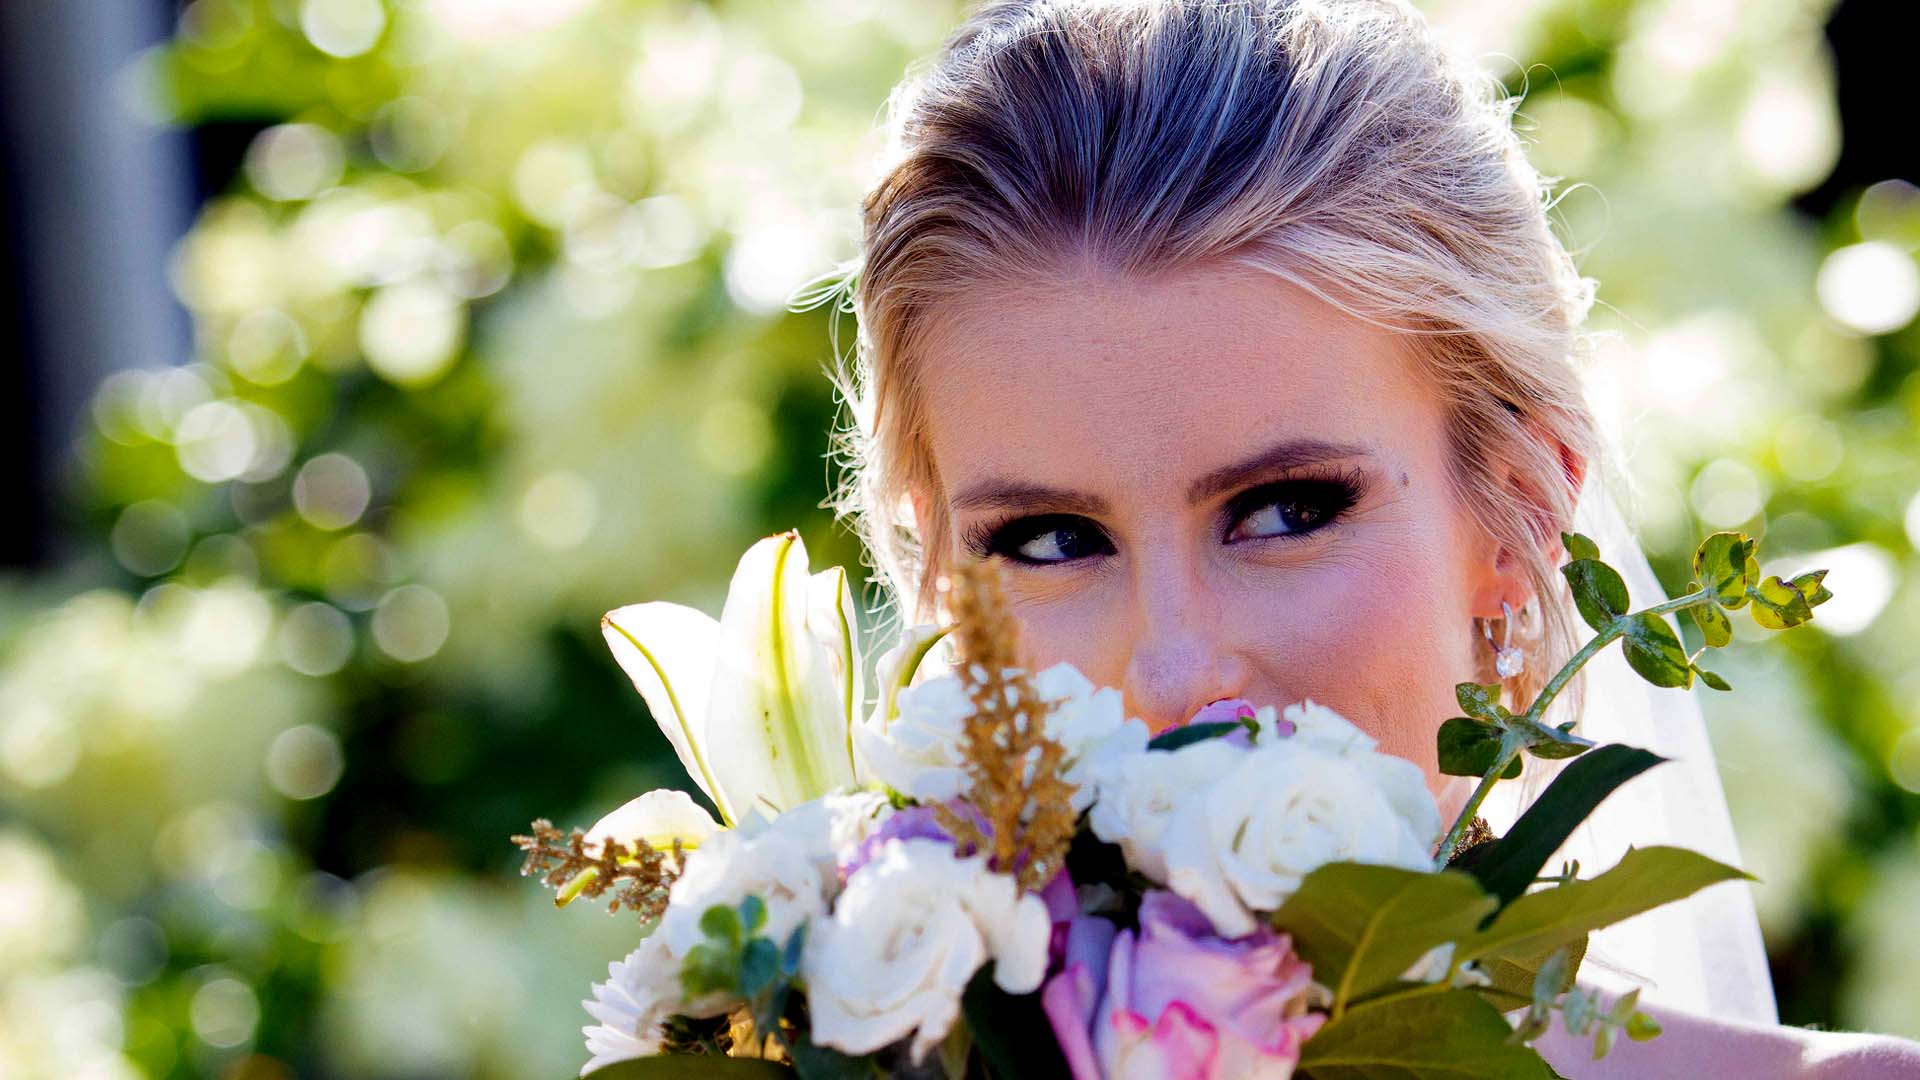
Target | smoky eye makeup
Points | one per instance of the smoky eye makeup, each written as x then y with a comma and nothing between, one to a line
1293,508
1290,509
1038,539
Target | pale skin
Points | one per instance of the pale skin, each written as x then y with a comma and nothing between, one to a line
1213,484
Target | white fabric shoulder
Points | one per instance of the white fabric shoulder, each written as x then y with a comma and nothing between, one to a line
1702,955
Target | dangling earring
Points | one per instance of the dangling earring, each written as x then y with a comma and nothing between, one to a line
1508,660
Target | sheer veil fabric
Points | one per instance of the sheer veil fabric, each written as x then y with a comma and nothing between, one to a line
1704,954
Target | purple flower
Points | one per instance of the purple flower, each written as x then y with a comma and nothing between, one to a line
911,823
1177,1002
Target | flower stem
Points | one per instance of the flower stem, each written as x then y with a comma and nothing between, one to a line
1513,743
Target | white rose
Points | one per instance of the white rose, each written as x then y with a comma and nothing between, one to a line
1402,782
1139,789
788,862
1242,844
640,992
828,827
1316,725
919,751
905,938
1089,722
731,867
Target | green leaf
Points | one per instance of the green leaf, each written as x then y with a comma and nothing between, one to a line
692,1067
1579,546
1553,742
790,955
1516,977
1721,562
1654,650
1175,738
1012,1032
759,966
1510,863
1714,625
723,922
1810,587
1469,747
1481,700
1363,926
753,913
1644,879
1711,679
1779,606
815,1062
1597,591
1452,1035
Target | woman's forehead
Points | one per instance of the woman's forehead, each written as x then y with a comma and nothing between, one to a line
1162,376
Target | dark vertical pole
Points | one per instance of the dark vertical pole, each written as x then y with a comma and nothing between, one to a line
93,199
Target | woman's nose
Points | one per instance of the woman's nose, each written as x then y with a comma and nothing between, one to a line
1181,662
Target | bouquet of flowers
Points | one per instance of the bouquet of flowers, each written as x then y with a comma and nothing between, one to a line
995,872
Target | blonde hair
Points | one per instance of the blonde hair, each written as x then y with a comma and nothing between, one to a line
1330,142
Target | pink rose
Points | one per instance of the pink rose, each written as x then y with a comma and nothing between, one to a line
1224,711
1237,710
1177,1002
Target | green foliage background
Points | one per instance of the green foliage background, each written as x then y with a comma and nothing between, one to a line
491,337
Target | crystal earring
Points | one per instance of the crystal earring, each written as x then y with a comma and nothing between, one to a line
1508,660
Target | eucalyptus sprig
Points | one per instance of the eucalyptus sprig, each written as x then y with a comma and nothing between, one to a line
735,958
1487,742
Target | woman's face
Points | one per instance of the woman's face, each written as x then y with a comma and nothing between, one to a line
1215,485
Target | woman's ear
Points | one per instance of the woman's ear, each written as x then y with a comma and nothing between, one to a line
1498,573
922,512
1573,470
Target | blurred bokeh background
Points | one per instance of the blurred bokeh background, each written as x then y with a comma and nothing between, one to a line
360,353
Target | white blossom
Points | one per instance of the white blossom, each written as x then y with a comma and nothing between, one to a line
1138,792
905,938
657,819
1400,780
641,991
789,863
759,704
917,751
1242,843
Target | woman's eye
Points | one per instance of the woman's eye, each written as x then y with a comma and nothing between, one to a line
1047,540
1288,510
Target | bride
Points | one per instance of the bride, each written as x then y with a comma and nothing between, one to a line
1238,331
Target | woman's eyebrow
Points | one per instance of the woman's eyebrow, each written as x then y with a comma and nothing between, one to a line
996,494
1281,456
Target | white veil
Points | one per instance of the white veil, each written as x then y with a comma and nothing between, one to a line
1704,954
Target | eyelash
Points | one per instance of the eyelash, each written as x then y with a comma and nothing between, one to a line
1336,490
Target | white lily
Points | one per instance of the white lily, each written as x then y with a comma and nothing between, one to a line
760,704
656,819
900,665
659,819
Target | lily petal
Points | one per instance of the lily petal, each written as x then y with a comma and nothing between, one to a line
835,627
897,667
776,730
668,651
875,758
659,818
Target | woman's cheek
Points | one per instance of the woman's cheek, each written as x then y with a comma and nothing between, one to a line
1362,644
1054,622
